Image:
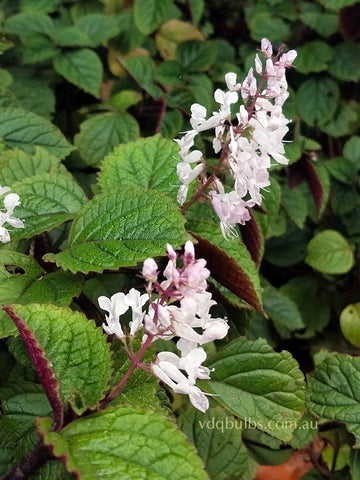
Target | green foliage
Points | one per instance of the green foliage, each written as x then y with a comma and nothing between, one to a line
92,94
87,455
82,374
254,382
121,229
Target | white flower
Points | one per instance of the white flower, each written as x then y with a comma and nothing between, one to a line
179,383
115,306
11,201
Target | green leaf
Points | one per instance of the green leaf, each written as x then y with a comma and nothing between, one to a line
121,229
22,280
295,205
170,73
352,150
334,391
314,310
71,36
38,48
283,311
344,122
217,438
317,100
123,100
228,260
106,445
52,470
345,65
42,6
344,198
271,203
26,130
341,169
196,55
47,200
21,404
16,165
254,382
313,57
350,323
323,23
76,349
149,14
171,124
288,249
329,252
269,26
99,134
336,5
149,163
81,67
24,24
98,27
142,70
26,89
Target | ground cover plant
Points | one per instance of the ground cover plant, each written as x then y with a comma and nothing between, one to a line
179,239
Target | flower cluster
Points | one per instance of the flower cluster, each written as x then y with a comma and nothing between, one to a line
178,306
11,200
247,144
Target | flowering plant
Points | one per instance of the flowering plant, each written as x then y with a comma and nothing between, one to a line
138,337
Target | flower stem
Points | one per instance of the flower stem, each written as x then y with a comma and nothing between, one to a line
114,392
209,181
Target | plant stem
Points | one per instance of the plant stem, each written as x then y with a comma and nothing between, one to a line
209,181
134,364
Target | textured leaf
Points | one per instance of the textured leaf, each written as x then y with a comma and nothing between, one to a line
53,470
171,124
16,165
26,130
42,6
77,351
344,122
121,229
217,438
26,89
345,65
229,261
313,57
329,252
317,100
148,162
24,24
21,405
142,70
38,48
47,200
334,391
350,323
149,14
173,32
352,150
98,27
282,311
254,382
81,67
106,445
295,205
43,367
323,23
22,280
341,169
99,134
196,55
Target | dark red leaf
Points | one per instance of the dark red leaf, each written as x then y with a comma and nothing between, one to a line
315,185
349,21
251,237
226,270
42,367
